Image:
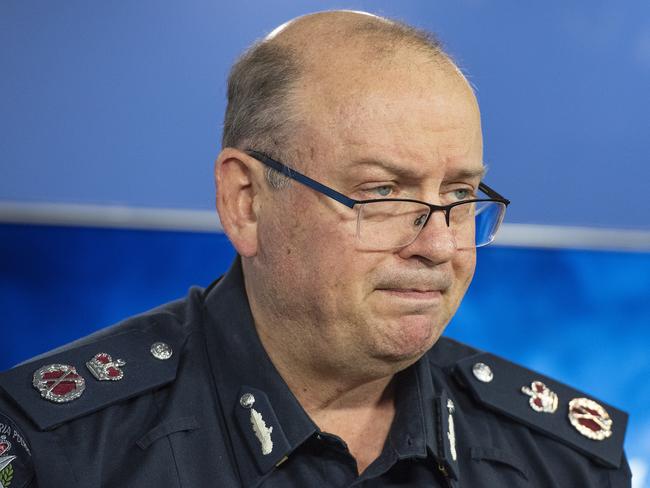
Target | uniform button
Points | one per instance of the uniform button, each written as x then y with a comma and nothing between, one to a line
483,372
161,351
247,400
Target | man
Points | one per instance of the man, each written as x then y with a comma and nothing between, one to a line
350,186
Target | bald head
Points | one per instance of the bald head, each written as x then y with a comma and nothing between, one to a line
265,84
327,35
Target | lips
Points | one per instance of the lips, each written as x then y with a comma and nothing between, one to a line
414,293
425,290
411,290
421,286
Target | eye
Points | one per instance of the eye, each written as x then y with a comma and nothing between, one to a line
463,194
381,191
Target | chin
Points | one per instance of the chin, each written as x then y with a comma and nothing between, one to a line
410,338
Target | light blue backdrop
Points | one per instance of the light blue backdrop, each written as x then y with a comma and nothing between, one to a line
121,102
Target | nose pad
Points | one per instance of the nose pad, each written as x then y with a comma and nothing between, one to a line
437,225
435,238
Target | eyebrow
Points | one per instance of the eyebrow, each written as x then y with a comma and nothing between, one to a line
401,171
387,166
469,173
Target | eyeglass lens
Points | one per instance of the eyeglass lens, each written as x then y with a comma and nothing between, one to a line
389,225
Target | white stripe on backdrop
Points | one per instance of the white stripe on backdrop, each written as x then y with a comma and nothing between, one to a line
519,235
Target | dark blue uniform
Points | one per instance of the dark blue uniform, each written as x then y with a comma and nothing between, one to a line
185,396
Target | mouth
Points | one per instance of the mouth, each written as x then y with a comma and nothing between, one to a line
412,293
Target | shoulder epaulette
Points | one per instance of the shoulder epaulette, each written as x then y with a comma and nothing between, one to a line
589,426
89,377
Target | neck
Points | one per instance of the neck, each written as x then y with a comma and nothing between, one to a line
341,396
316,378
358,411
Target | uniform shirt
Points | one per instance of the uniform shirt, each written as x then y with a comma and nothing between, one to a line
216,413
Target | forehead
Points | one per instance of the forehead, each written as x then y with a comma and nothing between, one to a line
408,110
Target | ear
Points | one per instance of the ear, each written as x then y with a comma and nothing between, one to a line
237,189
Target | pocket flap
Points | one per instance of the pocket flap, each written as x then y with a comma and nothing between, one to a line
500,456
182,424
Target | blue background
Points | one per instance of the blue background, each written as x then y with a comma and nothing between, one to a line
120,103
579,316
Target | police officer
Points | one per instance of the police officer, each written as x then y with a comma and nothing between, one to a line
350,186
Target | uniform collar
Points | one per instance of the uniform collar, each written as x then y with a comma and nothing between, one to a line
241,366
412,431
421,425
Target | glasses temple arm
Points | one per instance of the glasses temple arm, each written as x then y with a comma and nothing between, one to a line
305,180
492,193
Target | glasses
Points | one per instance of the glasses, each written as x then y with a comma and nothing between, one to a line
391,223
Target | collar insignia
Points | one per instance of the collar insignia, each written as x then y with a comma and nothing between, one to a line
262,432
260,429
451,432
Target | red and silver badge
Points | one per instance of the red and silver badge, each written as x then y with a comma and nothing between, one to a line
5,445
590,419
59,383
6,469
104,368
542,399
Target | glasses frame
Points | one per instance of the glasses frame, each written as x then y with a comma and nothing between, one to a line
351,202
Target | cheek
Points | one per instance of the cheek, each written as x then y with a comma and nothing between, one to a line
301,244
464,265
333,271
312,243
322,234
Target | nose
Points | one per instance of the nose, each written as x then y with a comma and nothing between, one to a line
435,242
